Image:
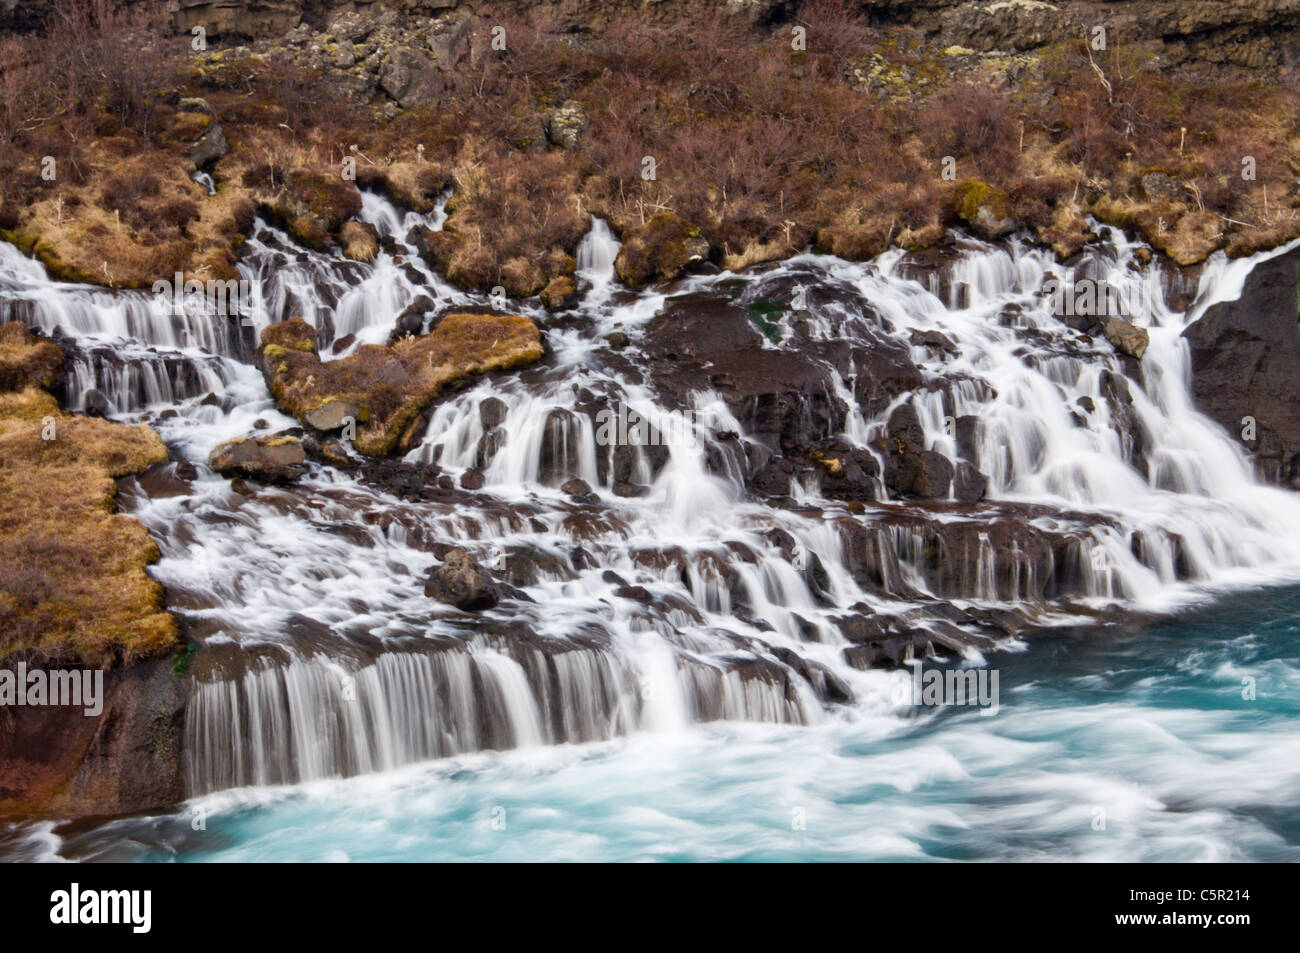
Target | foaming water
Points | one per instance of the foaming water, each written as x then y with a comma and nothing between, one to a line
669,595
1134,748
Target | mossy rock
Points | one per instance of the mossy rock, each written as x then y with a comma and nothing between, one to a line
660,250
986,209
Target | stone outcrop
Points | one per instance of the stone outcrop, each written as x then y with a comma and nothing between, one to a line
57,760
1126,337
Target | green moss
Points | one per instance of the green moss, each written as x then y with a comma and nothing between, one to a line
182,663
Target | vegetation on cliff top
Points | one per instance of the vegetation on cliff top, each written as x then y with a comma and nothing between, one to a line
862,140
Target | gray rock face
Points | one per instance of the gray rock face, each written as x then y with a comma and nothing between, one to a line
451,47
410,77
331,415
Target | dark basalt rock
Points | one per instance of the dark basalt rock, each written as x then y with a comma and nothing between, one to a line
461,582
910,469
1244,359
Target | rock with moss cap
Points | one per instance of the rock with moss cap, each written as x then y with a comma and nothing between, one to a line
987,210
390,387
660,250
360,241
275,459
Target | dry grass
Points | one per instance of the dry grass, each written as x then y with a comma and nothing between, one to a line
74,585
762,148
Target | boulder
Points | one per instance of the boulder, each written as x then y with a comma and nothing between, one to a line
274,459
987,210
1127,337
332,414
461,582
210,146
360,241
1244,355
390,388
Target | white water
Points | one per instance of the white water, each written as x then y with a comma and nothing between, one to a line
327,659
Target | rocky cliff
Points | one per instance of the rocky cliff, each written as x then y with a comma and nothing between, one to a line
1256,35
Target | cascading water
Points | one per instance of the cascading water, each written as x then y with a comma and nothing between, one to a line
670,594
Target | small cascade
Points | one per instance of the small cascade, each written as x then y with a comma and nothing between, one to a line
596,254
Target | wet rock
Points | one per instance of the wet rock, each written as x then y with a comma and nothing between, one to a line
472,479
630,490
461,582
186,470
635,593
491,412
617,340
412,319
968,484
910,469
343,343
826,685
560,292
96,404
1244,357
1126,337
580,489
275,459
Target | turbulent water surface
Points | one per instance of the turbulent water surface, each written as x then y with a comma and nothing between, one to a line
339,713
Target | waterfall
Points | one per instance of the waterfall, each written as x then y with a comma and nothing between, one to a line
671,593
